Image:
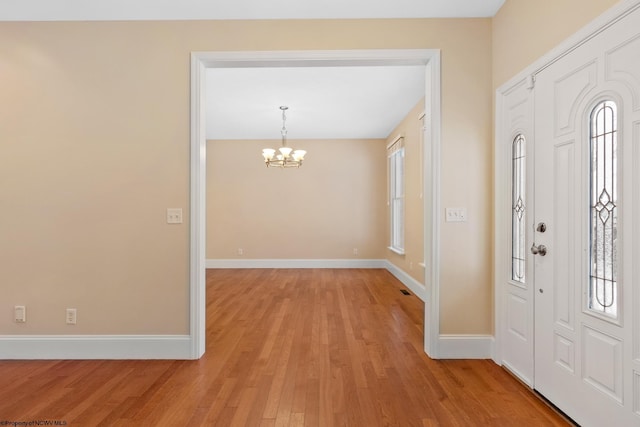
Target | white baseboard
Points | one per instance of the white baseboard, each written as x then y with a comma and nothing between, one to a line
411,283
296,263
465,346
180,346
95,347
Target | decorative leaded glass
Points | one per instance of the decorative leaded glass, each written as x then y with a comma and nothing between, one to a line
603,286
518,235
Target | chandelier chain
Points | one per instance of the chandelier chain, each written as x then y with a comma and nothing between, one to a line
284,127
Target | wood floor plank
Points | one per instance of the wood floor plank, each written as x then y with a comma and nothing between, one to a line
287,347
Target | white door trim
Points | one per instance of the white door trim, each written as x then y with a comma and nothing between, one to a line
200,61
502,163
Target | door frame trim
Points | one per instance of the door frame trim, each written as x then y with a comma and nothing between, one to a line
200,61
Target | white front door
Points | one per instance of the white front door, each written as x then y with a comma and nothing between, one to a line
586,229
516,281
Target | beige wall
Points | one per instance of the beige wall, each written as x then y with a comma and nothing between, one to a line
95,147
466,182
334,203
411,129
524,30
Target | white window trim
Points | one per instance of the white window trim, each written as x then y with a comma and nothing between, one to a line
396,250
395,223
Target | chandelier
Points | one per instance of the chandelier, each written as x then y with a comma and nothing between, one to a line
288,157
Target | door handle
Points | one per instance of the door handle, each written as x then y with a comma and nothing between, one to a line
539,250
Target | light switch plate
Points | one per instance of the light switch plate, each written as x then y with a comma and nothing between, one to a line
20,314
72,316
456,215
174,215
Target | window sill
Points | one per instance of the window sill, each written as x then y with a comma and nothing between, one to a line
396,250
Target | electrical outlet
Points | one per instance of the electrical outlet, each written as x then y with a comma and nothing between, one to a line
20,314
174,215
355,251
240,251
71,316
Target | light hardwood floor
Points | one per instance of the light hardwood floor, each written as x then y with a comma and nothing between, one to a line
284,348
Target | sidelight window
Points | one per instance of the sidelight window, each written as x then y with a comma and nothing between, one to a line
518,235
603,286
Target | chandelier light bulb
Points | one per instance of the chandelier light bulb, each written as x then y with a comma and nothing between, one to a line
285,151
268,153
298,155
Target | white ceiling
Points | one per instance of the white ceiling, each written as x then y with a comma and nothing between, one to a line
243,103
91,10
324,102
